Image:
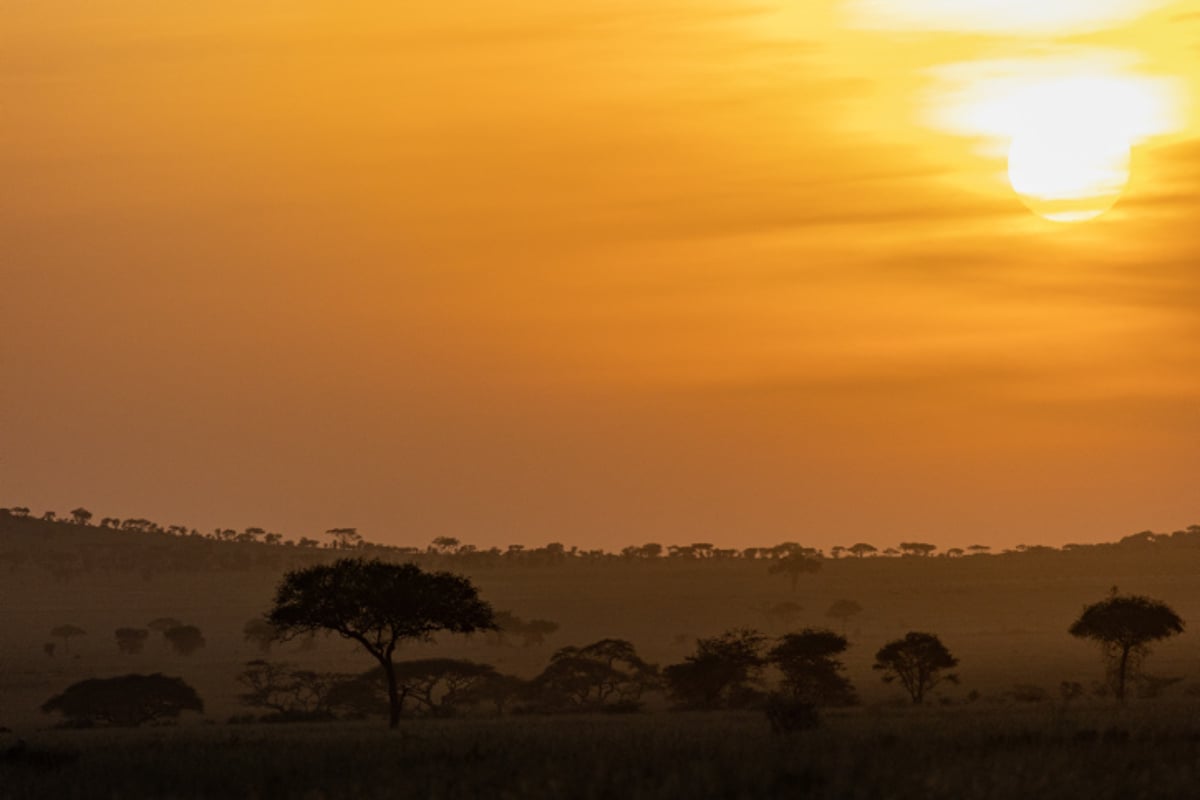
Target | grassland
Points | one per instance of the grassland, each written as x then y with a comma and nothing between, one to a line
950,754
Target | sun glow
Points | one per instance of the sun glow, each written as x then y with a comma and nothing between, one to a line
998,16
1066,174
1066,126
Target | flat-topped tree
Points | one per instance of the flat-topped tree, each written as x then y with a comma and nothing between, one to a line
793,565
185,639
345,538
844,610
67,633
379,605
1125,625
919,661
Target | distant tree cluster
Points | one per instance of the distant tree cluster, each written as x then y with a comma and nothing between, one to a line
532,633
727,671
382,605
266,549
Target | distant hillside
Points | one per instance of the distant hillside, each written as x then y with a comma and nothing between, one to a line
1004,615
75,544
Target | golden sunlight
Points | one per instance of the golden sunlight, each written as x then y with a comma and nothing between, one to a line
1067,125
998,16
1069,174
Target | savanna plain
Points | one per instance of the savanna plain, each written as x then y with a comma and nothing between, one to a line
1030,711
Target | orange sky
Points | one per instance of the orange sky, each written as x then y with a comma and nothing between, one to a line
596,272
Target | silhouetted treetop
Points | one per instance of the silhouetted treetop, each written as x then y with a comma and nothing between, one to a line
128,700
1125,626
919,661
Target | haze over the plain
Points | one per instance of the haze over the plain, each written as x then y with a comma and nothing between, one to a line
595,272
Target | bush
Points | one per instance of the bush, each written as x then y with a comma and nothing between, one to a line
126,701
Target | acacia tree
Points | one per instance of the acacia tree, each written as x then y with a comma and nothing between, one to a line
722,672
604,674
812,671
185,639
377,605
1125,625
286,691
793,565
67,633
918,661
844,610
128,700
345,538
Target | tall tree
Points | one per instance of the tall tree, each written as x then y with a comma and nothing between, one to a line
379,605
1125,625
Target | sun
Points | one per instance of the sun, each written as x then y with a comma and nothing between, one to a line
1067,123
1068,173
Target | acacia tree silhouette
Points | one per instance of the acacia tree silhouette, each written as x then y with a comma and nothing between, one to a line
128,700
378,605
918,661
1125,625
844,610
793,565
812,671
67,633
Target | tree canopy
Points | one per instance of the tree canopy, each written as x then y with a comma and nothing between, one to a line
1125,625
918,661
128,700
722,672
812,671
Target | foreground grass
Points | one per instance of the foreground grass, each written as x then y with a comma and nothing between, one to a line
953,754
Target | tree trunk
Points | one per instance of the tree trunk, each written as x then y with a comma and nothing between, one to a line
394,703
1124,665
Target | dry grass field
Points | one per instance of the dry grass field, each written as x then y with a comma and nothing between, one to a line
914,754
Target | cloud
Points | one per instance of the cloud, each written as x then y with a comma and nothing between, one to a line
1019,17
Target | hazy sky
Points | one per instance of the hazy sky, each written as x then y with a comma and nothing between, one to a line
600,271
